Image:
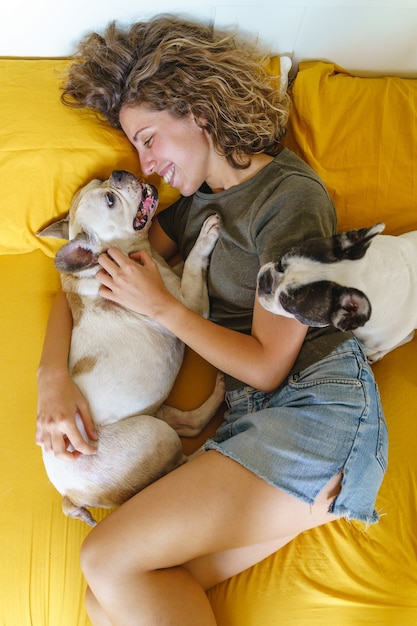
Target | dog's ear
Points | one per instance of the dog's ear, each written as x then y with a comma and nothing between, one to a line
349,245
353,244
76,256
57,230
310,304
351,308
325,303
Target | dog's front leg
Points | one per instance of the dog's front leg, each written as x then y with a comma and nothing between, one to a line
194,277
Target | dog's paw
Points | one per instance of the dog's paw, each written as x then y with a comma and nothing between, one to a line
209,233
211,222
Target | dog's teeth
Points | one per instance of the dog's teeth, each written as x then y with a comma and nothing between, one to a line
140,221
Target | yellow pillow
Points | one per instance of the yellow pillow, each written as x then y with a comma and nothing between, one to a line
360,135
48,151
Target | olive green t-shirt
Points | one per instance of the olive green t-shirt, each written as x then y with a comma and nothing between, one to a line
285,202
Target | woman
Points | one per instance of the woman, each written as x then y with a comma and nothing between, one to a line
304,440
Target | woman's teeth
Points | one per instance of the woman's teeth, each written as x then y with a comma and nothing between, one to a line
168,175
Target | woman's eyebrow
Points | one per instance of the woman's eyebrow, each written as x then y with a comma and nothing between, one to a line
138,132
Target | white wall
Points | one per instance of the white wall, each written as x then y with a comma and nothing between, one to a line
366,35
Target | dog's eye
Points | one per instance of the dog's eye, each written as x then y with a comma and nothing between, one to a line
111,199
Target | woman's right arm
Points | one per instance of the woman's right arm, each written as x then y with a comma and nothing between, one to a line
59,399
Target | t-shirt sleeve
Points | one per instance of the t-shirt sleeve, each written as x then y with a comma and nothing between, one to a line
174,218
300,209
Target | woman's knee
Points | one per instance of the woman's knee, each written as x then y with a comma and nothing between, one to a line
102,559
106,558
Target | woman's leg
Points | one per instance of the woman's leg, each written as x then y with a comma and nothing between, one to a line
94,610
207,570
132,560
212,569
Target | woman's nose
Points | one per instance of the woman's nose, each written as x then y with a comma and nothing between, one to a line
147,164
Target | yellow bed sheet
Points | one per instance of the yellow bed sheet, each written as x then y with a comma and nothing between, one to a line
339,575
40,578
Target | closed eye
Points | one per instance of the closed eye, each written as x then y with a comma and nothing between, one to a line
111,199
148,142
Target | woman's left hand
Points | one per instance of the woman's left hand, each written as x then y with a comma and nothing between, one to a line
133,282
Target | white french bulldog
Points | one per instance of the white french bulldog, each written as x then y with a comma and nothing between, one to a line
125,364
358,280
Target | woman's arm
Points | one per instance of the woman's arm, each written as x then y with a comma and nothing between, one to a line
262,359
59,399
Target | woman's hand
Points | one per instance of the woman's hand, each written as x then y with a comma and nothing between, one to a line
59,401
133,282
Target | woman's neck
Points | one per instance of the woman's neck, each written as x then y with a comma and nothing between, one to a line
230,176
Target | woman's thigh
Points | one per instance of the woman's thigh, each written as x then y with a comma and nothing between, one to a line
209,505
211,569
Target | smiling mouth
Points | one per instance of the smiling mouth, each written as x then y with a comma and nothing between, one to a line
168,174
146,206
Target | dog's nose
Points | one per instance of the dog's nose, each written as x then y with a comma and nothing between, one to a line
117,175
265,282
119,178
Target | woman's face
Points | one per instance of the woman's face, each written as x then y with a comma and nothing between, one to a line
175,148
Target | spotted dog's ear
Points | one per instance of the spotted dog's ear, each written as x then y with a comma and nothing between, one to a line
325,303
77,255
353,244
351,308
350,245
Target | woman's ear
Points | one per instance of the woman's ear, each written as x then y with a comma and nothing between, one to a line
201,121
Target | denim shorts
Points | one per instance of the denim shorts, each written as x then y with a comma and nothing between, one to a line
325,420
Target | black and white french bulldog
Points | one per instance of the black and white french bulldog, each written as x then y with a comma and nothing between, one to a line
358,280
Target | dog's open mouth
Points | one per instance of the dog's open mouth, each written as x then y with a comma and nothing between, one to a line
146,206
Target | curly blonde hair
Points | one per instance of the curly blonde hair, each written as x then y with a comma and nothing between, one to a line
169,63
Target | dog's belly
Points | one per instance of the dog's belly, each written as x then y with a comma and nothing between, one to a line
125,368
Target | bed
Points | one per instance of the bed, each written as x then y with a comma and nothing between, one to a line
360,134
